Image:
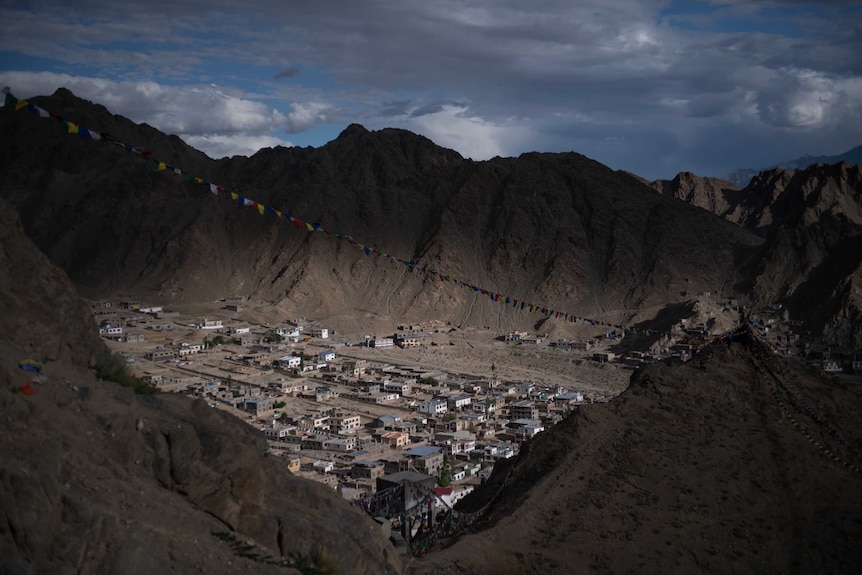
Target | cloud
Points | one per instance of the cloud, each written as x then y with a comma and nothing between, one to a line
286,73
220,145
602,77
216,121
800,98
452,126
303,116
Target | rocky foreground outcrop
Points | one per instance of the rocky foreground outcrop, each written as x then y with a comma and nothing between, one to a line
39,307
97,479
736,464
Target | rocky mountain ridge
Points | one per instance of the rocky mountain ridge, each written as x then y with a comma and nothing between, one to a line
811,220
558,229
742,177
739,462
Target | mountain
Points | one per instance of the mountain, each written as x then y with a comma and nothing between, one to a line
738,462
712,194
811,261
743,176
556,229
95,478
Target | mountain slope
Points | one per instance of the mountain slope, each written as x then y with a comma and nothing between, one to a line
555,229
695,469
96,479
717,196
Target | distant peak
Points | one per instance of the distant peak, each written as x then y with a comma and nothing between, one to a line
353,130
63,93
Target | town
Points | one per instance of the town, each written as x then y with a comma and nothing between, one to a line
362,414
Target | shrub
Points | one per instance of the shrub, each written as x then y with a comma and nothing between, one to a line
113,367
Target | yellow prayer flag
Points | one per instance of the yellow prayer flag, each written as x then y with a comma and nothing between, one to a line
261,208
234,196
73,128
20,104
161,167
309,226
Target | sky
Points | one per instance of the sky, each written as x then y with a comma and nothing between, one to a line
654,87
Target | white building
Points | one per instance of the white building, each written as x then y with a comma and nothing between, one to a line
188,349
320,332
433,407
459,402
288,361
210,324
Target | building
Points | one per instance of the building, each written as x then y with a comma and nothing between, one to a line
289,362
427,457
258,406
395,439
188,349
514,335
343,423
433,407
408,340
160,353
402,388
458,402
368,470
319,332
456,442
604,356
341,444
381,342
523,410
410,477
569,398
355,368
210,324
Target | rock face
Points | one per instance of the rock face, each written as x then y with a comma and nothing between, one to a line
811,220
711,194
39,309
96,479
555,229
714,467
812,260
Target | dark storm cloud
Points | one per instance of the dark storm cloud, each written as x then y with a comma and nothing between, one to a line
650,86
